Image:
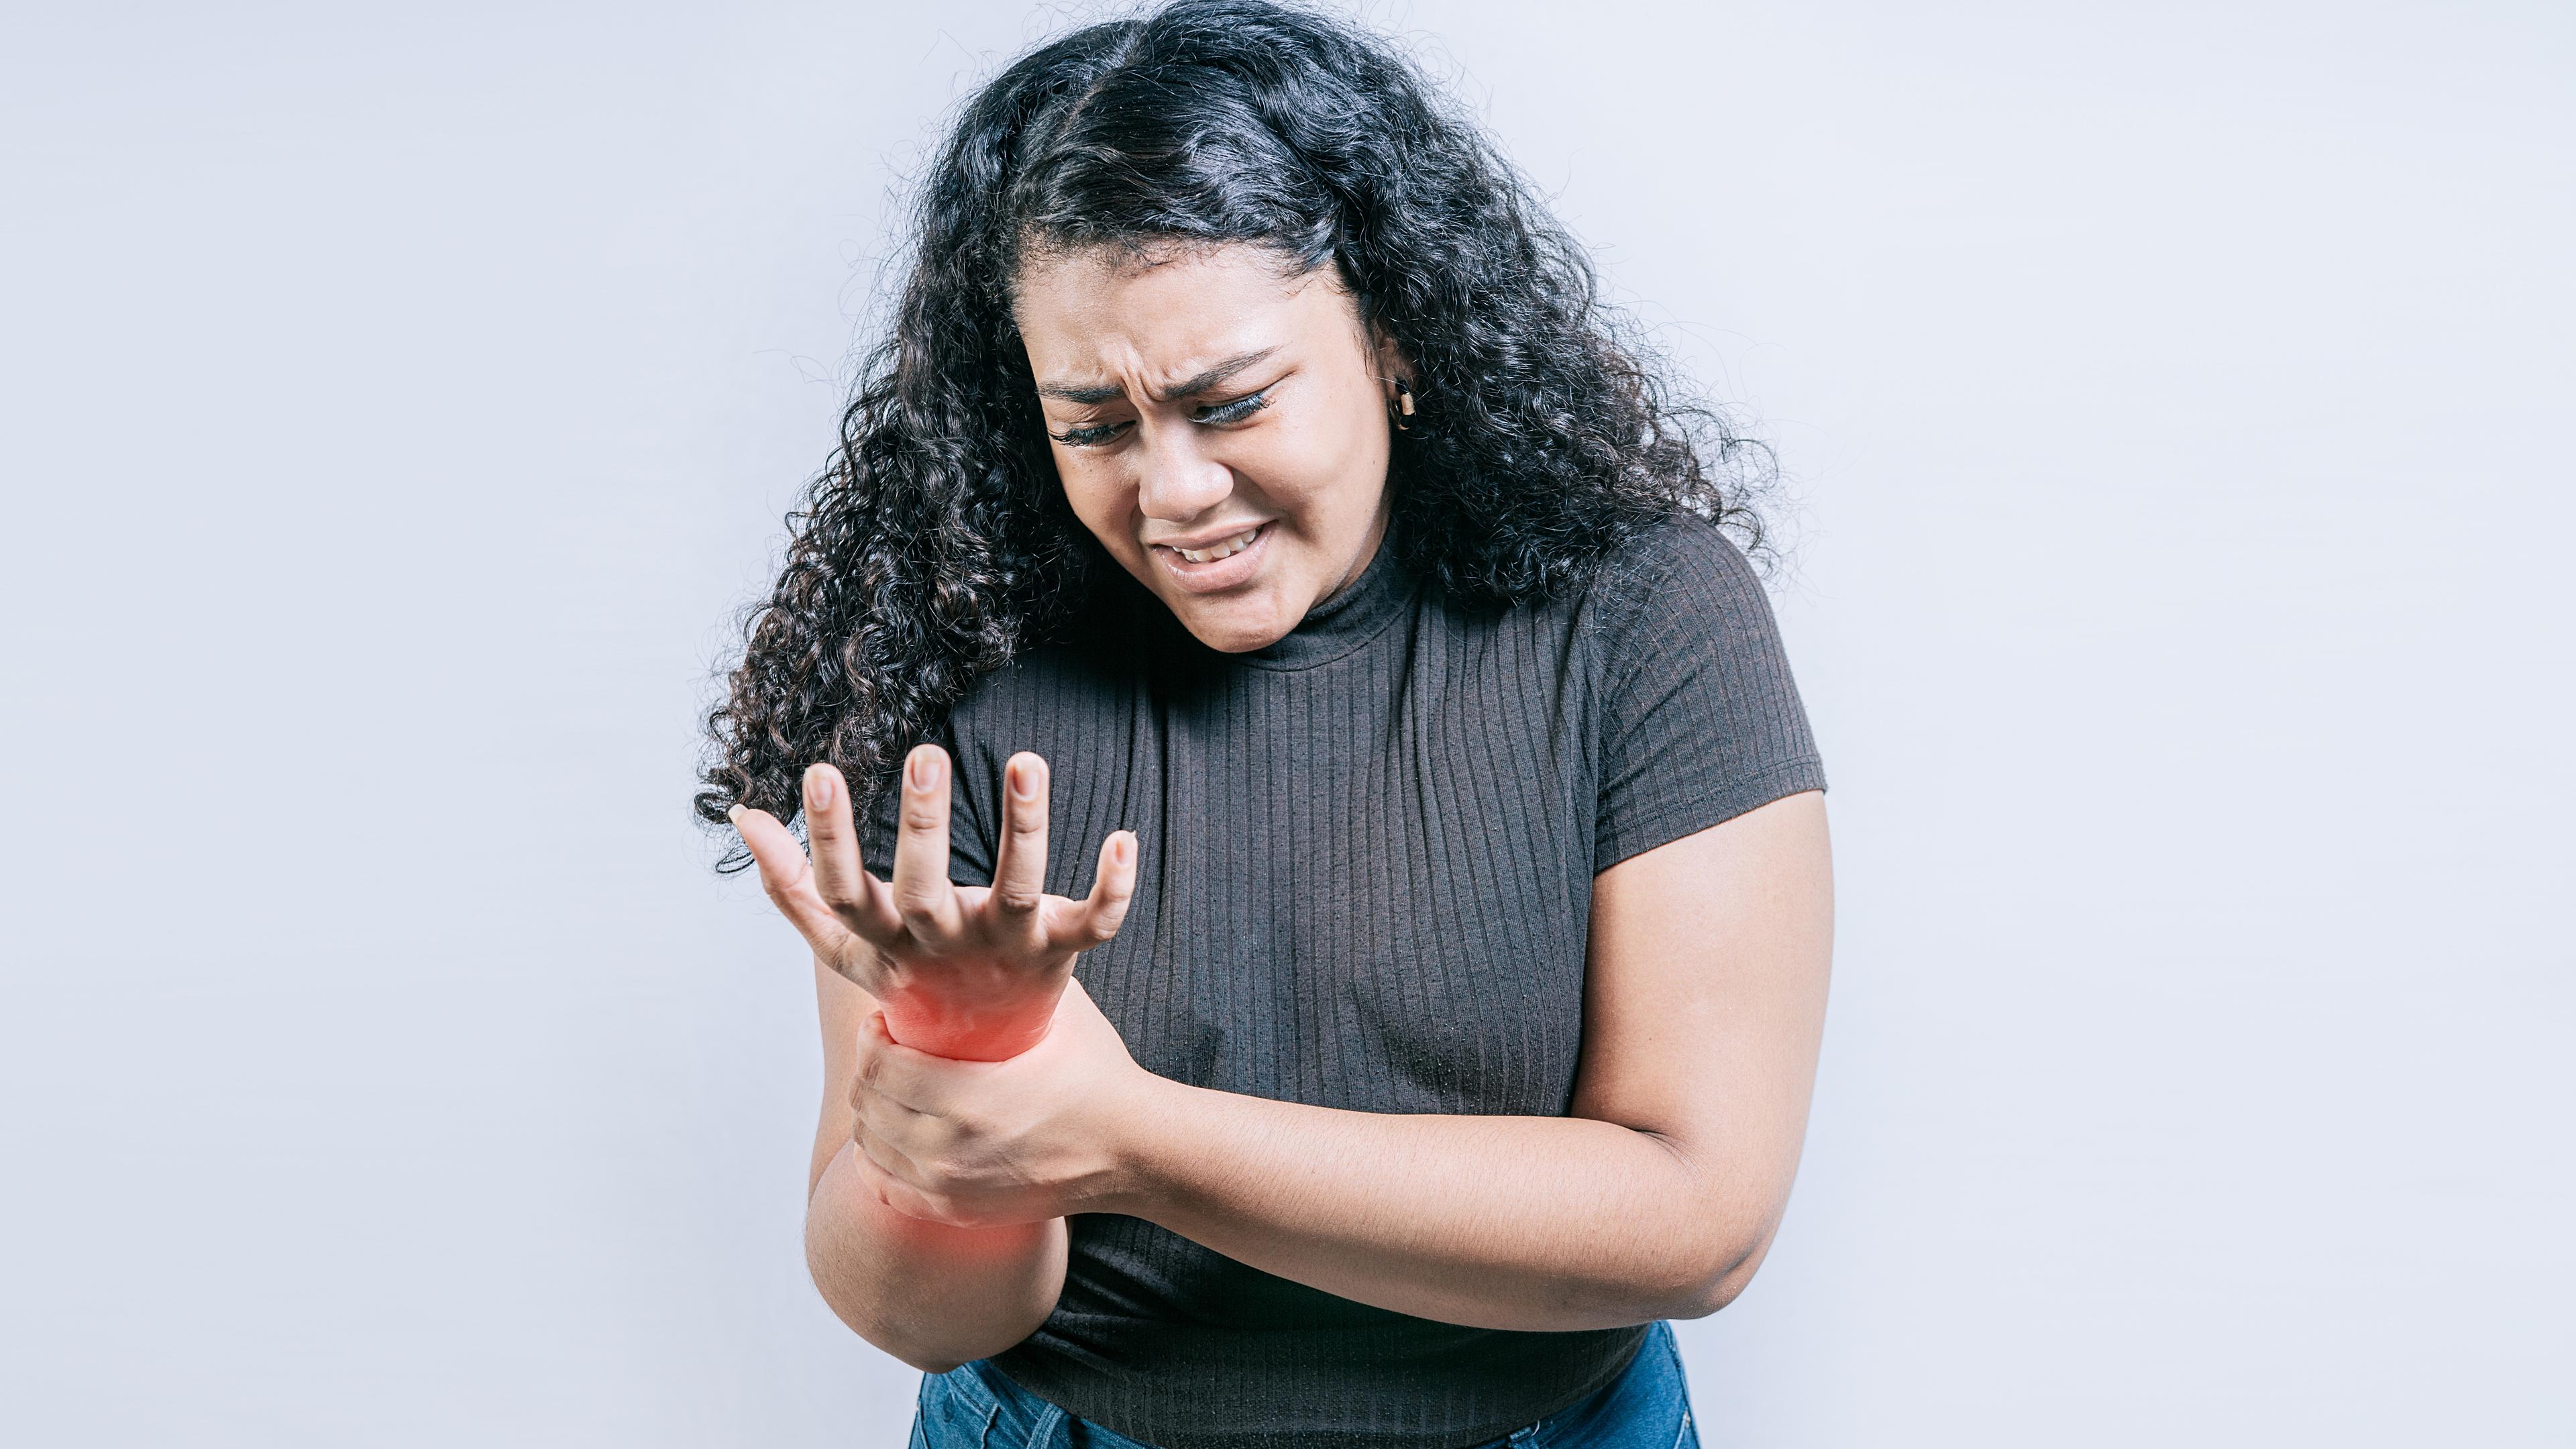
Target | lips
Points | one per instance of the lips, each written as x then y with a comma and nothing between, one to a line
1212,563
1222,548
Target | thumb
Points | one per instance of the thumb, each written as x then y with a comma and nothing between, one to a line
788,877
773,848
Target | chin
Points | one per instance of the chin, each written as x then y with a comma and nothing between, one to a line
1233,630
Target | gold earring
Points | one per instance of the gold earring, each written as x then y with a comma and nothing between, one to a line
1404,402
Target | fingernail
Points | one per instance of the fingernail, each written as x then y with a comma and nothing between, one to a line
1024,781
925,769
818,786
734,814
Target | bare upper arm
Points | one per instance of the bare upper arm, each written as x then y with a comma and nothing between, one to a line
1704,1004
842,1005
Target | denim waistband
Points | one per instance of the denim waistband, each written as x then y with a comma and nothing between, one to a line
977,1406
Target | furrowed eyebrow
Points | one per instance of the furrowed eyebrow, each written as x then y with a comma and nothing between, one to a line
1189,388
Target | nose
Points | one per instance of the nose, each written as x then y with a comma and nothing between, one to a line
1179,482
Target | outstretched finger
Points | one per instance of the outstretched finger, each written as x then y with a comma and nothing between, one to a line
858,899
1019,869
1083,924
922,893
789,879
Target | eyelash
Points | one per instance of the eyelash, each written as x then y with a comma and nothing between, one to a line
1224,412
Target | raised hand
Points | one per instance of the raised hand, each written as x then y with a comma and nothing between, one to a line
961,971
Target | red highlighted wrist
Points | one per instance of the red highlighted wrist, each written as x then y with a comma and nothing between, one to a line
945,1024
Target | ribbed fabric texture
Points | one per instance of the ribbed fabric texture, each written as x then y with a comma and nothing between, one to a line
1366,859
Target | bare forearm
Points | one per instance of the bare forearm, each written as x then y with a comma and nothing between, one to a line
932,1295
1530,1223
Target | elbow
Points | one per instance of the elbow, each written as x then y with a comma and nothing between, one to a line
925,1294
1722,1292
1724,1280
846,1303
927,1363
857,1313
1729,1223
827,1265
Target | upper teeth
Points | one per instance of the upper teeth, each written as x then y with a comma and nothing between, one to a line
1224,548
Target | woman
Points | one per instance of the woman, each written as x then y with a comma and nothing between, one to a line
1251,485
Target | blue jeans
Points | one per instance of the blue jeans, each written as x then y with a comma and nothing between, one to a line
976,1406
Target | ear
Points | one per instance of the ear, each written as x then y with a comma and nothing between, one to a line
1392,363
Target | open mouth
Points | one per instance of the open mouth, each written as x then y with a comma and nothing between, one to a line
1222,548
1220,564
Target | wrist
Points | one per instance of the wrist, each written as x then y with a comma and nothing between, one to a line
950,1018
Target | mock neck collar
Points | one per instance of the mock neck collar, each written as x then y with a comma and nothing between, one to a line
1344,621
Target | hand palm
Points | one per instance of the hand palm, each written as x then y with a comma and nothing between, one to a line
962,971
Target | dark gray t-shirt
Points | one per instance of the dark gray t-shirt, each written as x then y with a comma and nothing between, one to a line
1365,873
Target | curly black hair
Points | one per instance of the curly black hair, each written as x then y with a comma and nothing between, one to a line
937,543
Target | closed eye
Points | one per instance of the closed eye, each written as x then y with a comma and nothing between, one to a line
1087,437
1237,410
1233,411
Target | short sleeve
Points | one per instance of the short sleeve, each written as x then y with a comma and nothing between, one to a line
970,850
1699,719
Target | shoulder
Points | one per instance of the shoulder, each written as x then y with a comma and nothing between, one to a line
1698,710
1680,573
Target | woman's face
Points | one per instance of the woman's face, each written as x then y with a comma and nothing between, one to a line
1223,433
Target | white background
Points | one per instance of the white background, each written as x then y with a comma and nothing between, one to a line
395,409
